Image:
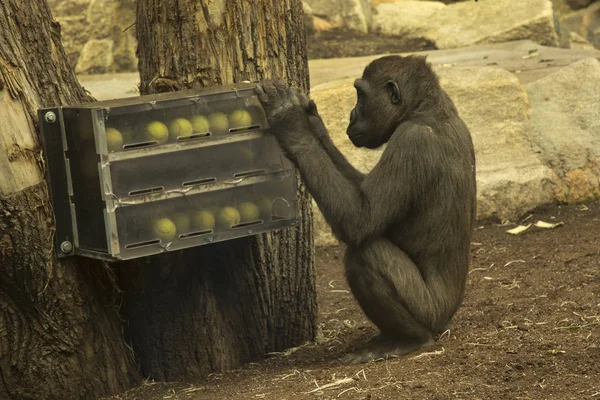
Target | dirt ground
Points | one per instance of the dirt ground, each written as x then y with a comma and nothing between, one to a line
338,43
529,328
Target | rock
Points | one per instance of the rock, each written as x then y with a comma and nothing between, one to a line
495,21
100,14
564,125
403,18
84,20
466,23
123,34
71,7
579,4
561,7
124,52
577,42
96,57
309,25
585,23
354,14
494,105
73,35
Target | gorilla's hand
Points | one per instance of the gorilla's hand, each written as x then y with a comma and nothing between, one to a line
289,113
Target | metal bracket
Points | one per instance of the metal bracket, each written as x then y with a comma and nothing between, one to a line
53,141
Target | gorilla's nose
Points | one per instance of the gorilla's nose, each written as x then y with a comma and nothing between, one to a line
352,116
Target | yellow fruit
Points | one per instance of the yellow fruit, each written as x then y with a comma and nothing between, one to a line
240,119
164,228
180,127
249,212
200,124
114,139
218,121
158,131
203,220
182,222
264,205
228,217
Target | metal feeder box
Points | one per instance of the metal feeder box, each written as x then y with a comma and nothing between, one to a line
139,176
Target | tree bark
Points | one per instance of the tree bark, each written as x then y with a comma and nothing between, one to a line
216,307
60,333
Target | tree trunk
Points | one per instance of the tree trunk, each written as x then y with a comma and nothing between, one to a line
60,333
216,307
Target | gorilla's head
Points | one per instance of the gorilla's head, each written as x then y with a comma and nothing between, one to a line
392,89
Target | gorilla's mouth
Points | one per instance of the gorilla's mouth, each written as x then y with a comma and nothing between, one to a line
357,140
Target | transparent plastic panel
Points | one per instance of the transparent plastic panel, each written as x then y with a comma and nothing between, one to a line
209,117
187,169
186,221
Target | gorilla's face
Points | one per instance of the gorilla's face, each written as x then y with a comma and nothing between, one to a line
375,117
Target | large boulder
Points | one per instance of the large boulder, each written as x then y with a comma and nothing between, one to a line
565,126
466,23
96,57
353,14
99,16
585,23
511,178
83,21
578,4
404,18
309,25
494,21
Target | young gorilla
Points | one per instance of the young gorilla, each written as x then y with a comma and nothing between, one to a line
408,223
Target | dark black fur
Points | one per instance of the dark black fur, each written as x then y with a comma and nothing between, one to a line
408,222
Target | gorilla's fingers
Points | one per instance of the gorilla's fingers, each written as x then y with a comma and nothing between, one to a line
302,99
272,92
262,95
281,86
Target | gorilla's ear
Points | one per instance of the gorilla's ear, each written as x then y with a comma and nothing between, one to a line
393,91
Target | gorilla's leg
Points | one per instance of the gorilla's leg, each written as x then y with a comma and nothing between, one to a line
391,291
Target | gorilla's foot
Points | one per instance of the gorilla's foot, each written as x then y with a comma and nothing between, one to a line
382,348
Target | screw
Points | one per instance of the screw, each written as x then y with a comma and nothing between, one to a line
50,117
249,230
66,247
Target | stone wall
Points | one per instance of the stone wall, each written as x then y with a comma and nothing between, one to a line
98,35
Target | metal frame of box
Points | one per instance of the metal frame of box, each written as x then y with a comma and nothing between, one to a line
75,196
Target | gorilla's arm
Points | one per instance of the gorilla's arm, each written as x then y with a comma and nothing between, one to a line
318,129
356,210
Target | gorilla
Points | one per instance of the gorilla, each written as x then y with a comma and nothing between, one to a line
407,224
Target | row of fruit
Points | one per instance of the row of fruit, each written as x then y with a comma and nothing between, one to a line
167,228
178,128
